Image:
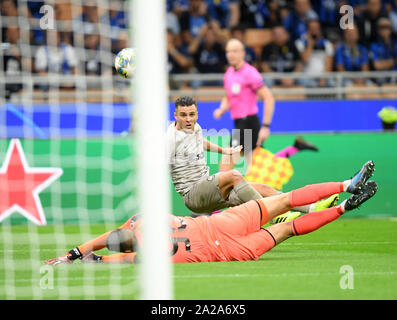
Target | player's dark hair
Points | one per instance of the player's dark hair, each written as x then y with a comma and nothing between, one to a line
121,240
185,101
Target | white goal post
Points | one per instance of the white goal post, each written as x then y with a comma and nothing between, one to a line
150,95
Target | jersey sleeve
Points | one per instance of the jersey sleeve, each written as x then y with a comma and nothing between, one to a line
255,80
300,45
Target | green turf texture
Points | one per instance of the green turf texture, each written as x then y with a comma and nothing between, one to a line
304,267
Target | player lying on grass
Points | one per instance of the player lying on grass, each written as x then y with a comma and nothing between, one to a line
201,192
236,233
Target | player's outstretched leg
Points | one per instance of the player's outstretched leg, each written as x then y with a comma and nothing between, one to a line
315,220
315,192
318,206
309,222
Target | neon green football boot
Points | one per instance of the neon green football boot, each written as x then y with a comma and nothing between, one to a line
318,206
288,216
326,203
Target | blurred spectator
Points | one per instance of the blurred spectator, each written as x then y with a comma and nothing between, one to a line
226,12
177,6
358,6
13,63
193,19
120,43
368,21
34,8
115,17
92,60
388,5
316,53
38,35
277,12
9,8
295,21
393,17
208,51
238,33
254,13
117,46
351,56
93,64
327,11
89,19
329,16
280,55
173,23
56,57
384,51
179,60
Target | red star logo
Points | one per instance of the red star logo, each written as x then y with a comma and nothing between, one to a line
20,185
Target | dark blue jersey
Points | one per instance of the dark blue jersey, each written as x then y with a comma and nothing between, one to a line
382,51
352,59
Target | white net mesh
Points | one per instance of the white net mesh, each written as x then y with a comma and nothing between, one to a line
64,111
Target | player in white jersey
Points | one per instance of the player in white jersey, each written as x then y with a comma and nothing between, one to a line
201,192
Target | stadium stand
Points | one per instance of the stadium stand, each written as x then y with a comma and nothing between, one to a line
95,32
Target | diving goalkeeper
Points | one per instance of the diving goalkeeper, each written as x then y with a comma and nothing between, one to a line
234,234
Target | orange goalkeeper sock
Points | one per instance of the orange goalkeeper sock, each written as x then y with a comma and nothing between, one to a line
315,220
313,193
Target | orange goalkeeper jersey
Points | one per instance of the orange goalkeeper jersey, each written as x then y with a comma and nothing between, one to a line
233,234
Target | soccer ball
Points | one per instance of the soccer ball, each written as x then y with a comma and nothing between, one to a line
125,62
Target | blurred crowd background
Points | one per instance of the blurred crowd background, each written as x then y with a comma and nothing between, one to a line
280,36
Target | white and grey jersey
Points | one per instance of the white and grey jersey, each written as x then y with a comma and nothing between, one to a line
186,157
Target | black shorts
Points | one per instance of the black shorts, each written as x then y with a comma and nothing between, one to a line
245,132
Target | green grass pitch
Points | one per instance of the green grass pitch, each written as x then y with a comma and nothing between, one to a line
304,267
